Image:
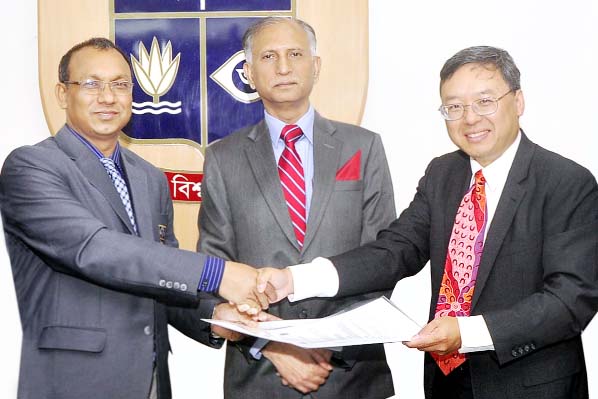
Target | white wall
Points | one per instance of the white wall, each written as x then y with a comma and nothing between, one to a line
553,44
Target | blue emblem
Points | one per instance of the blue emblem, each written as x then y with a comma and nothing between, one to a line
188,66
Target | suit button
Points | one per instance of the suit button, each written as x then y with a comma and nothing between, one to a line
303,314
147,330
162,283
520,350
176,285
169,284
526,348
532,346
183,287
514,353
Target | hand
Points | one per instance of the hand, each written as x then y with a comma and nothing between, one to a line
302,369
441,336
239,286
228,312
279,281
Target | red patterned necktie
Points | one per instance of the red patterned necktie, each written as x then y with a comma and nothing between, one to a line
290,170
462,261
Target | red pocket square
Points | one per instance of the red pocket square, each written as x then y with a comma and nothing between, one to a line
351,169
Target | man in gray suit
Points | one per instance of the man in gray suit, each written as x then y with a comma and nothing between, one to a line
247,215
515,284
89,232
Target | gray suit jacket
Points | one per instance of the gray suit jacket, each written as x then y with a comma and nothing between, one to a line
91,295
537,282
244,217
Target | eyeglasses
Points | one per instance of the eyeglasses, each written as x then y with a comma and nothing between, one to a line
482,107
95,87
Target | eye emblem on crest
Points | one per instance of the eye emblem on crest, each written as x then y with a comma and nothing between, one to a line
156,73
232,79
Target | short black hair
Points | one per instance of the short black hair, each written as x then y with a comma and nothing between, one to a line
100,43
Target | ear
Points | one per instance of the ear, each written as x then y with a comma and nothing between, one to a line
317,66
61,95
248,75
519,102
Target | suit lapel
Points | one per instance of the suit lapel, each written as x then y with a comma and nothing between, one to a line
94,171
327,152
510,199
260,157
140,197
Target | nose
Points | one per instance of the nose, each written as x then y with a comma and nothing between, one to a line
106,95
283,66
469,115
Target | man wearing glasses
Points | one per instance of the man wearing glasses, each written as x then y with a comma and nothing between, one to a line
89,232
511,232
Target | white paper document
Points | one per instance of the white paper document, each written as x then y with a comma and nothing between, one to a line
370,322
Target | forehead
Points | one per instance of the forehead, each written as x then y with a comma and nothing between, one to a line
103,63
473,79
287,34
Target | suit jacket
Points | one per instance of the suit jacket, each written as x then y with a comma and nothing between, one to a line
244,217
91,295
536,284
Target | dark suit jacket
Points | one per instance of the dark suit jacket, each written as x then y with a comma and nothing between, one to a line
536,285
91,295
244,217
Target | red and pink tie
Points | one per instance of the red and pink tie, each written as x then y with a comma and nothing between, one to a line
462,261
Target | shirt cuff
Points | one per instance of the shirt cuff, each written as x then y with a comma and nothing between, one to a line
256,349
211,275
318,278
475,336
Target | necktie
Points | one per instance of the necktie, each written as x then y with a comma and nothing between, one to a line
290,170
462,261
121,188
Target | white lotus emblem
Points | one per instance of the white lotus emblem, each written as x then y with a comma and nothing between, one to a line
156,73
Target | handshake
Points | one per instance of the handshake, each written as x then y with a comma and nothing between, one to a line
253,290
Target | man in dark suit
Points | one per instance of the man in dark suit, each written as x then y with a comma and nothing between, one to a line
246,215
88,228
511,232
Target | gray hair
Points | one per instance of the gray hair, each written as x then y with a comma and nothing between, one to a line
269,21
486,56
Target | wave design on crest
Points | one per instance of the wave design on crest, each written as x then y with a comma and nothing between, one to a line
157,112
139,110
157,105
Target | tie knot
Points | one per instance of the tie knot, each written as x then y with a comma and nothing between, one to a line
108,163
479,178
291,133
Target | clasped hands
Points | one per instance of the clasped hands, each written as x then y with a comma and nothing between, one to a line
298,368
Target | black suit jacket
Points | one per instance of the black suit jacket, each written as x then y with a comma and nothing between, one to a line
536,285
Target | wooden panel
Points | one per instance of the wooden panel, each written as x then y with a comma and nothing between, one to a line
342,31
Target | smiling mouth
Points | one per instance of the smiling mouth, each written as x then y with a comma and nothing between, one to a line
477,136
106,114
